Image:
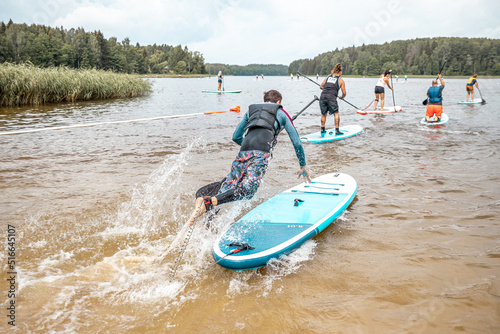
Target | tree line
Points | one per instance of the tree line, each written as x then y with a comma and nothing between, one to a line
45,46
421,56
252,69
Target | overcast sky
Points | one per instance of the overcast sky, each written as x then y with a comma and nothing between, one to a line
263,31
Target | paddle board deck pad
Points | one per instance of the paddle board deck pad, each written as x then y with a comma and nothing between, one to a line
221,91
316,137
281,224
444,119
471,102
387,110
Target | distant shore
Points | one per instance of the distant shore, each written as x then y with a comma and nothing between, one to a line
401,77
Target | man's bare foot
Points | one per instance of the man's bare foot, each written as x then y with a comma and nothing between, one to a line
199,209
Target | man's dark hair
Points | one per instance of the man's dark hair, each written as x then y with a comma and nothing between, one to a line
272,96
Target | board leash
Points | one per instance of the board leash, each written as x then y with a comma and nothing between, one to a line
183,247
369,105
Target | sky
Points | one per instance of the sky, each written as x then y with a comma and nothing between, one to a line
239,32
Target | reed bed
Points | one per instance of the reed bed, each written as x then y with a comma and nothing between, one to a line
22,84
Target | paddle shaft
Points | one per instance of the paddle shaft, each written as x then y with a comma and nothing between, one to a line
320,86
482,100
424,102
307,106
393,99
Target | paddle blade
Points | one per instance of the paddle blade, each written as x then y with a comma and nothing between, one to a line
424,102
237,109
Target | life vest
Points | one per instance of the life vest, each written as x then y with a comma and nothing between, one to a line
434,96
263,115
331,88
471,81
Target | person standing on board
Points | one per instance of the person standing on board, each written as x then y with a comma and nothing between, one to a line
328,98
435,105
257,134
380,90
470,87
219,80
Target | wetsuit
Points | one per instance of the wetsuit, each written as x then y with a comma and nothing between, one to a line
328,98
262,124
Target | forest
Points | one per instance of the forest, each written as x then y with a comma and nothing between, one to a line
45,46
421,56
252,69
76,48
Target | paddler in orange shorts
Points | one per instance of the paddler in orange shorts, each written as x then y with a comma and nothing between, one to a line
435,106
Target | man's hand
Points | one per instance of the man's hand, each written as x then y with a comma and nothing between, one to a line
305,173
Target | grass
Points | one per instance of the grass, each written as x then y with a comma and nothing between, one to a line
26,84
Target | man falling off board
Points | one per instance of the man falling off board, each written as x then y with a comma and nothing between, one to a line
435,95
257,135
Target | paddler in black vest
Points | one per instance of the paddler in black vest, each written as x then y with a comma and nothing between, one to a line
328,98
257,134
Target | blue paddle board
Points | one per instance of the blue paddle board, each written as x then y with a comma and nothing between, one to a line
316,137
221,91
471,102
444,120
282,223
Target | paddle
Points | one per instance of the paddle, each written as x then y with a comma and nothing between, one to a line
482,100
320,86
424,102
392,90
300,112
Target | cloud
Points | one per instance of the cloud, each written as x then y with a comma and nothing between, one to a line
262,31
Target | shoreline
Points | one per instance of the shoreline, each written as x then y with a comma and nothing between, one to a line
165,76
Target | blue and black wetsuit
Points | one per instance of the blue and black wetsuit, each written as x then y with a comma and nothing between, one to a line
262,124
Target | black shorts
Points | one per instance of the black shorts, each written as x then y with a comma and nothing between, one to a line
328,106
379,90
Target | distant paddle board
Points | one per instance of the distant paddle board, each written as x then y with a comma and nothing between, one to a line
387,110
444,120
221,91
471,102
281,224
348,131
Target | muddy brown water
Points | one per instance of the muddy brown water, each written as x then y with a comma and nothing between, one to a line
99,211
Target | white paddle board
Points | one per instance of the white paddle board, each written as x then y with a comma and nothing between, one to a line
387,110
282,223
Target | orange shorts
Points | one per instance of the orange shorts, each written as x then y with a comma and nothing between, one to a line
434,109
469,88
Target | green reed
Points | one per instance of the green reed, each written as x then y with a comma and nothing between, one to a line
27,84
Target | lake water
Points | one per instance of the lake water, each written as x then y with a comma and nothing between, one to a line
99,212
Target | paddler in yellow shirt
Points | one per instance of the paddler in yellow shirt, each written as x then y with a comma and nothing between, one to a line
470,87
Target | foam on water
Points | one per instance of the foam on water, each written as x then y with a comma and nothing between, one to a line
139,273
